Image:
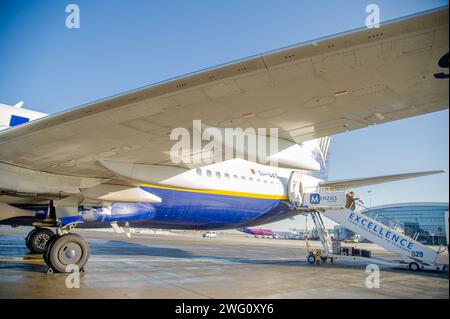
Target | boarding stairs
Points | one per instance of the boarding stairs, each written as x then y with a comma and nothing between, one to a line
331,204
324,236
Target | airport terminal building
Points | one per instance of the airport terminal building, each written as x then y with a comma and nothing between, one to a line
423,221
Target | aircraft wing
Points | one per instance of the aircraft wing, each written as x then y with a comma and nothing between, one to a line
367,181
319,88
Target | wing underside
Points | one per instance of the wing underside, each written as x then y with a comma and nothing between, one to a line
316,89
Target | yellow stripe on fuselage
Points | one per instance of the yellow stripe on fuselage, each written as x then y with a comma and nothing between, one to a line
219,192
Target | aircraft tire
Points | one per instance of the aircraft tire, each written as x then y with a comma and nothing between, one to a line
37,239
68,249
47,247
311,259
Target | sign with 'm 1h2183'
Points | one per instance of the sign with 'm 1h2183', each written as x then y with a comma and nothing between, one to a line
325,199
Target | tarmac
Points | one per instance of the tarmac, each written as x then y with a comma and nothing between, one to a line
185,265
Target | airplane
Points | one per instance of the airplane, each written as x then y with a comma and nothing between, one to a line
108,162
261,232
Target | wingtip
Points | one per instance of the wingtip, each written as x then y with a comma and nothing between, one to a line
438,171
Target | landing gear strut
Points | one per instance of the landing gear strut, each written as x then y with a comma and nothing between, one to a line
64,250
37,239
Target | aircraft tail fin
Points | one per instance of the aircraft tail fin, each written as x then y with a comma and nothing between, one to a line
321,153
13,115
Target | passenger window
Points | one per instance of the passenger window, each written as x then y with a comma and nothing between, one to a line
243,178
218,175
265,181
258,180
235,176
251,179
199,171
208,173
227,176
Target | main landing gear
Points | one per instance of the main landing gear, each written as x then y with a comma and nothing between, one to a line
59,250
37,239
66,250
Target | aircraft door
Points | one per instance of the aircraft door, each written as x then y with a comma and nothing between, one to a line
295,188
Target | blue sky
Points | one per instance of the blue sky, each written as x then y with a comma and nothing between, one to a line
123,45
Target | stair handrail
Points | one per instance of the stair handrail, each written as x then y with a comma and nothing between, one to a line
317,189
367,210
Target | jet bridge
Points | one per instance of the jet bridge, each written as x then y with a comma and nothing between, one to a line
332,205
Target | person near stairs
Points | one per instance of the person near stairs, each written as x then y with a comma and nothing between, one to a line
350,200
